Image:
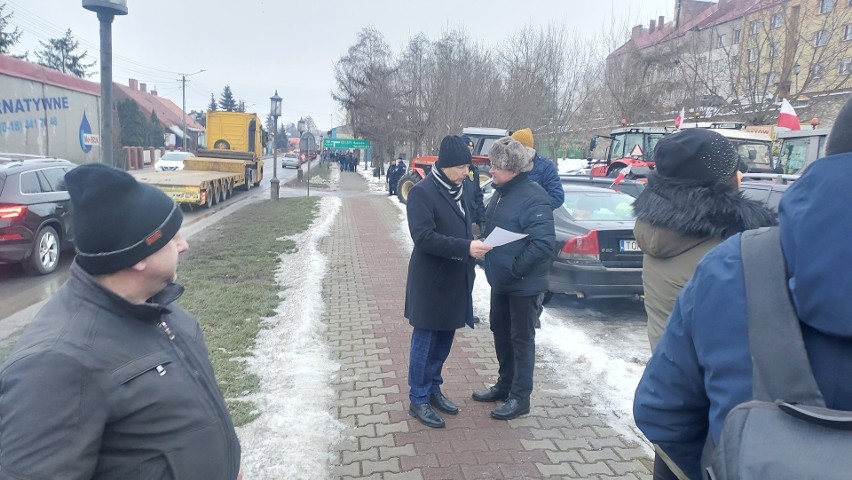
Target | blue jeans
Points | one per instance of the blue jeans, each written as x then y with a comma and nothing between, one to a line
429,351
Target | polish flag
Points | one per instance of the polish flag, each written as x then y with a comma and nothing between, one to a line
621,174
787,117
679,118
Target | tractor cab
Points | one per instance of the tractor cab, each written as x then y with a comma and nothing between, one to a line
629,146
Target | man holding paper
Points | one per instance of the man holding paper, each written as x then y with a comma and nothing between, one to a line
520,218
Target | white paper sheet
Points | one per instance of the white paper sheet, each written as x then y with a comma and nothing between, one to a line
499,237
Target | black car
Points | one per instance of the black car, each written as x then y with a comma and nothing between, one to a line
630,187
35,222
596,253
767,193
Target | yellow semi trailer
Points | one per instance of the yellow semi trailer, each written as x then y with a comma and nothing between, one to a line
202,182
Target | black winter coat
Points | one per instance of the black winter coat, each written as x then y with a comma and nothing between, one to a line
122,391
520,268
473,196
440,272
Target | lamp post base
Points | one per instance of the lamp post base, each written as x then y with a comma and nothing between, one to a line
273,189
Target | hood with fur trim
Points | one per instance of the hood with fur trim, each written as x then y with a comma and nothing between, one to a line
685,213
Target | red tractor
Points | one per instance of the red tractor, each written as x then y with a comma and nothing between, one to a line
629,146
482,139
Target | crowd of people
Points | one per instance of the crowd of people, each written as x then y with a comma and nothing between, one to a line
85,390
346,160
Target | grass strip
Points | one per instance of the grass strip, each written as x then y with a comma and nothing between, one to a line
229,275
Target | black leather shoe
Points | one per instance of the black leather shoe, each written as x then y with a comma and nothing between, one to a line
490,395
513,408
426,415
442,403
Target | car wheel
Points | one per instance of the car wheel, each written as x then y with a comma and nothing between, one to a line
45,256
404,186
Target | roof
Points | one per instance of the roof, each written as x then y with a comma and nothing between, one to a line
31,71
167,112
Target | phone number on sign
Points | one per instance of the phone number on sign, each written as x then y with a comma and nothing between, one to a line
21,125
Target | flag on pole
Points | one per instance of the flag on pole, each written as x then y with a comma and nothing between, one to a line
621,174
787,117
679,118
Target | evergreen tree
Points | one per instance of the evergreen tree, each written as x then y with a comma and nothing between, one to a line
155,132
226,100
212,105
241,107
7,39
135,128
61,54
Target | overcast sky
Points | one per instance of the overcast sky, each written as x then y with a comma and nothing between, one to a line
258,46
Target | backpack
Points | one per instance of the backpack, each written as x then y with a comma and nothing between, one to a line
786,431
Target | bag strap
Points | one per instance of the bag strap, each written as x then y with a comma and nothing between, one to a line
780,365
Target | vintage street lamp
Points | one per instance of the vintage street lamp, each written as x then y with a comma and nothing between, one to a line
106,10
796,69
275,111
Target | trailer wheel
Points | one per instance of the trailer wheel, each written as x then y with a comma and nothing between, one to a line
404,186
209,199
222,190
229,189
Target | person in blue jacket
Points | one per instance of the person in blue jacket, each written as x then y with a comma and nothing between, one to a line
544,171
702,368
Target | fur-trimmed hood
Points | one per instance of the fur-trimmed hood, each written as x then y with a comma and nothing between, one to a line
685,213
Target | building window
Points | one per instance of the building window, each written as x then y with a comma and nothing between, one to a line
777,20
770,79
826,6
821,39
738,33
847,31
722,41
752,55
702,60
755,27
818,71
773,50
845,67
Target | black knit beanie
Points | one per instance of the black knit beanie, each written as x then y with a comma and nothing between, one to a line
696,154
453,152
840,138
117,221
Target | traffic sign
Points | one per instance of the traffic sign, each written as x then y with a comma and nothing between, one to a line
346,143
636,151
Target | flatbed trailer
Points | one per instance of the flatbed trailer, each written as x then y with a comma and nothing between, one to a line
203,181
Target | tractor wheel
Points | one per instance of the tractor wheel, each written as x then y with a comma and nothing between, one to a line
404,186
614,170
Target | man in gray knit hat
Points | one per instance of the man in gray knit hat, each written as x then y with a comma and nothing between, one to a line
517,273
112,379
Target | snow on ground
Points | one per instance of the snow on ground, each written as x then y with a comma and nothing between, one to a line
295,435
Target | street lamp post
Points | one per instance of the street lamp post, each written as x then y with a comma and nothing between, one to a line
183,89
275,111
796,69
106,10
301,127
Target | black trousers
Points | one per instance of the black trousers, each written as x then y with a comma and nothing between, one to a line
513,325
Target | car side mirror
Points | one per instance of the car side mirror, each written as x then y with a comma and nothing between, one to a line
593,143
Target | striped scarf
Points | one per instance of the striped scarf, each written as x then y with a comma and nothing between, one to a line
454,189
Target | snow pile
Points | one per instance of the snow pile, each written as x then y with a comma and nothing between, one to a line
296,433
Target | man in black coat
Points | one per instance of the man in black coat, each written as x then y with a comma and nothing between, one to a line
517,273
440,277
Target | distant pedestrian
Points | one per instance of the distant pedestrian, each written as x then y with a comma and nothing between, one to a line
438,293
516,272
112,378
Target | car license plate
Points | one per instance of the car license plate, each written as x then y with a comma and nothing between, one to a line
629,246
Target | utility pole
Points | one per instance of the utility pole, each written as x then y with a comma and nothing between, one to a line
183,112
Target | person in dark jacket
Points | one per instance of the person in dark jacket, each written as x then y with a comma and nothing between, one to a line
112,379
702,366
395,173
692,203
544,171
438,293
517,273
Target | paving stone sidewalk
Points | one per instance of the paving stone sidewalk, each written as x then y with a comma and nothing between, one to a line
562,437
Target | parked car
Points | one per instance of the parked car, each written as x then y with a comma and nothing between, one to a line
630,187
172,161
35,216
596,253
768,193
290,160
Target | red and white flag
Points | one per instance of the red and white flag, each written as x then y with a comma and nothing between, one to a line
621,174
679,118
787,117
